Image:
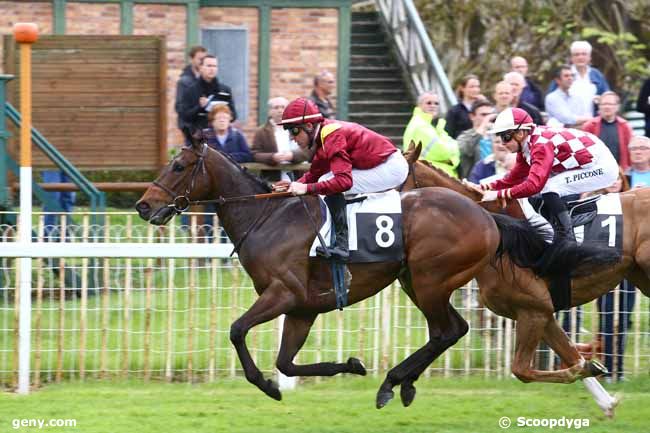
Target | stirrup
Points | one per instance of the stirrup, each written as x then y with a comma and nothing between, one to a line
335,253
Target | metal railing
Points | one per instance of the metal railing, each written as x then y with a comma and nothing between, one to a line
415,49
97,198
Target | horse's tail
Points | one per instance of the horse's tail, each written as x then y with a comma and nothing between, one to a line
527,247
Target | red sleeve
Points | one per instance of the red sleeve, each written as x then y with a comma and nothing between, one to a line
541,158
515,176
308,177
341,168
334,151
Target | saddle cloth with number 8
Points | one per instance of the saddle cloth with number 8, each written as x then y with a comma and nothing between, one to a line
374,228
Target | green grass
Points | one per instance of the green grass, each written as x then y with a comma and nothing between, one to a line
338,405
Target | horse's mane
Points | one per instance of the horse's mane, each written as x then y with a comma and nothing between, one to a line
243,170
446,175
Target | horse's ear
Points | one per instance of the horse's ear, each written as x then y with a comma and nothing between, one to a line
193,135
413,154
417,150
411,146
187,134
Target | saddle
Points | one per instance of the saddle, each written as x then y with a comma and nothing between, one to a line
582,211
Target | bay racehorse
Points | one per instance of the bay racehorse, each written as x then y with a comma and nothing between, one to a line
517,294
448,240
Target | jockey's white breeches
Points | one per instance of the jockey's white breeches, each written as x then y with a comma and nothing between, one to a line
387,175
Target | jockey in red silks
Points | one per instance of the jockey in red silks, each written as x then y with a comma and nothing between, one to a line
552,161
347,158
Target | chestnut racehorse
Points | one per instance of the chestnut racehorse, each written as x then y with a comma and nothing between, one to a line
448,240
517,294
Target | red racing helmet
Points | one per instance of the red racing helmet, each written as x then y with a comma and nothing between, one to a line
300,111
512,119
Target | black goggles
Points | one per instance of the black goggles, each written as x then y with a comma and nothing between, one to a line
294,130
506,136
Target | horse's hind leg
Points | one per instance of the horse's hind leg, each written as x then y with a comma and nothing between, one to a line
459,328
296,330
531,327
446,327
557,339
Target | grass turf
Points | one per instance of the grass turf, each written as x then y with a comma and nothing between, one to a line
335,405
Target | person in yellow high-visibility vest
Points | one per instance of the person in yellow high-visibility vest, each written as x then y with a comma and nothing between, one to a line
437,146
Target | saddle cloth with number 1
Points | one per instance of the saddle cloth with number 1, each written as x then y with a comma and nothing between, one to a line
374,228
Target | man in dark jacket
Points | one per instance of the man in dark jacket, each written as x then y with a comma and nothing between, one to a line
189,76
517,84
531,93
323,87
643,105
197,102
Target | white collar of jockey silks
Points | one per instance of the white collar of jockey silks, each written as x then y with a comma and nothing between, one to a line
525,147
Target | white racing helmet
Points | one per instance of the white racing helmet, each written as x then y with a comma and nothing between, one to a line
512,119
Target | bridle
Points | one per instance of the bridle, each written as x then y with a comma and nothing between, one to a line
181,202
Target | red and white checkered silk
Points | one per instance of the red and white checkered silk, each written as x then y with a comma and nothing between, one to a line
570,147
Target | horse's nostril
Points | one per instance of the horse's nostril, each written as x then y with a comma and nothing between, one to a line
142,206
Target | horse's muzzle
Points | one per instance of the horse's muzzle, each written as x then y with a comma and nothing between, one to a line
160,216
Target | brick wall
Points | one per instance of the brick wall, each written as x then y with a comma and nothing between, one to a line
167,20
249,19
303,43
92,19
12,12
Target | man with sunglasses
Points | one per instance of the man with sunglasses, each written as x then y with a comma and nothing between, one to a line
347,158
555,162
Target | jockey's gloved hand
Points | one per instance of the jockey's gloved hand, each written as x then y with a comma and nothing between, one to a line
486,187
472,185
298,188
490,196
281,186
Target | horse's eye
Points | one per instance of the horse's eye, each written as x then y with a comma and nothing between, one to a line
177,167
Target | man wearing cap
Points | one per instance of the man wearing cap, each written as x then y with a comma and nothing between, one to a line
348,158
552,161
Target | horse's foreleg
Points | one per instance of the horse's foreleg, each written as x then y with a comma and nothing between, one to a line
275,300
296,330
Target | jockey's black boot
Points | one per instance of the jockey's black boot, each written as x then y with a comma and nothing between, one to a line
339,251
558,217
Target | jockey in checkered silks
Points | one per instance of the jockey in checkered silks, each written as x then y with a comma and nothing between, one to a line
555,162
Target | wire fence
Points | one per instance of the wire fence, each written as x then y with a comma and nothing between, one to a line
169,319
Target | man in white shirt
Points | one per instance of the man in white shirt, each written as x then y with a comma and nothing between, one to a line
588,82
562,106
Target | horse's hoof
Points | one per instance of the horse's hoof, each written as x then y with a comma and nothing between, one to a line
596,368
355,366
407,394
273,390
383,397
